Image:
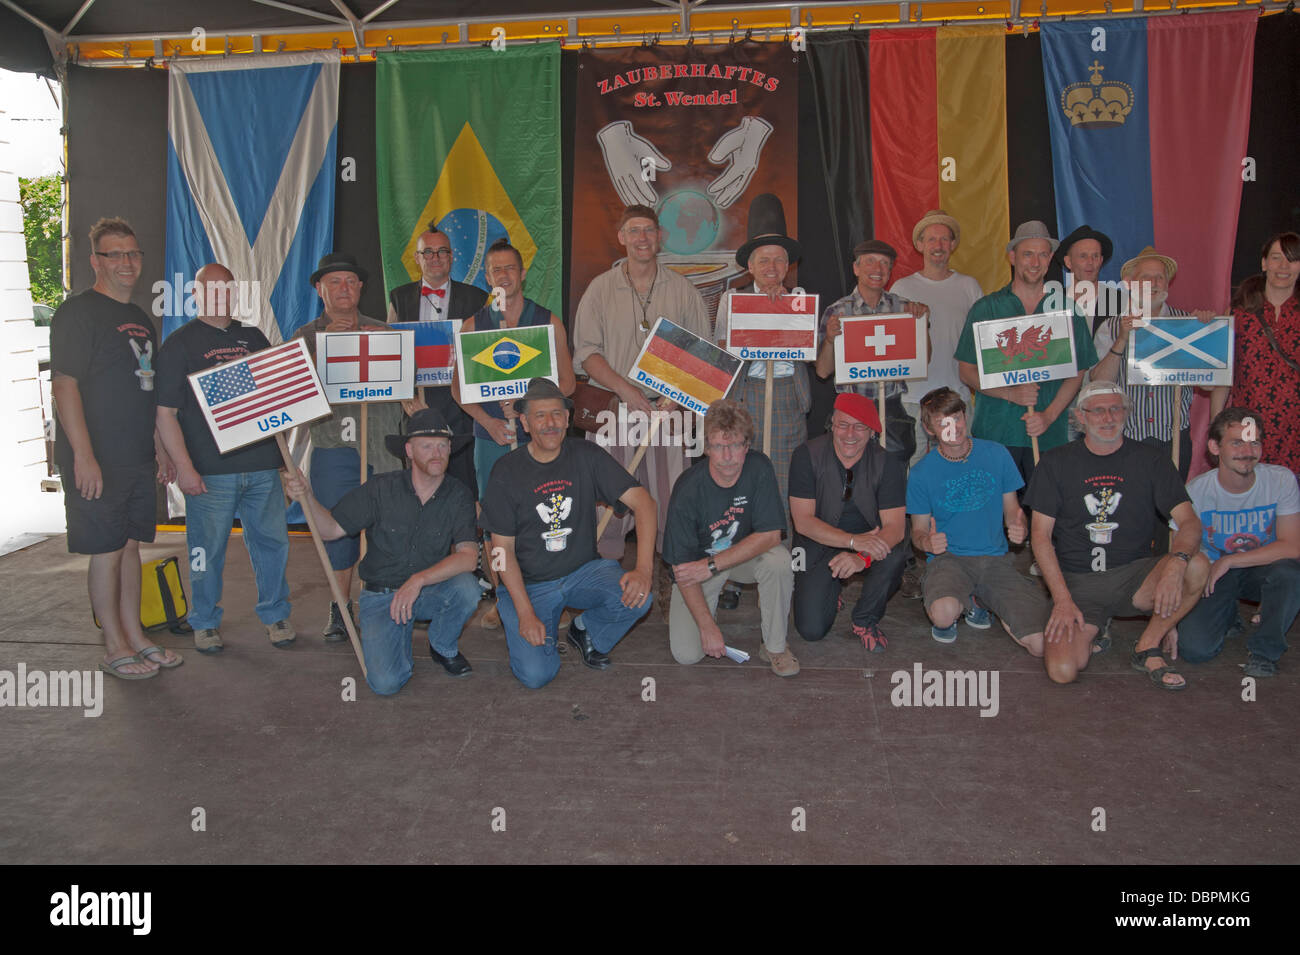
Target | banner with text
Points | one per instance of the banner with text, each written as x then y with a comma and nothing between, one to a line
875,347
366,366
684,367
1025,350
1181,351
497,363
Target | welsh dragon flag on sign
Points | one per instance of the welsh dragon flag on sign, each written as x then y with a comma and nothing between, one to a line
470,140
1023,350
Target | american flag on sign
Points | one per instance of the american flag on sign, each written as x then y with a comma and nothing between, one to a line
259,385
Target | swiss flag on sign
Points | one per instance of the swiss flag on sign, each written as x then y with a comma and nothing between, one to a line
868,339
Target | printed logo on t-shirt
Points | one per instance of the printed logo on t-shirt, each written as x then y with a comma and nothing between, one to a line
144,358
1102,504
969,491
723,531
554,510
1231,532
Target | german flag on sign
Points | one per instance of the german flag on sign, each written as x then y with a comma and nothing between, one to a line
684,367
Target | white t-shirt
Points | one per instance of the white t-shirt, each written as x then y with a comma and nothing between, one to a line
1236,522
949,301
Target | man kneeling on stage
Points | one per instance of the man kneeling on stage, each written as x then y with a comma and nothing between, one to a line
421,553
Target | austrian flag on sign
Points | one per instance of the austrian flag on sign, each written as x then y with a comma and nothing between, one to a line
759,328
872,347
366,366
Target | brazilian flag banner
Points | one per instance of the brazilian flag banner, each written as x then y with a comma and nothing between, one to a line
496,364
470,140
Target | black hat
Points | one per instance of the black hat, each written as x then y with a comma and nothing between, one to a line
1084,231
766,226
425,423
876,247
339,262
540,389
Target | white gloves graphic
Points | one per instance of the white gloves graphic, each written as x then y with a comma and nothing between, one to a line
740,149
631,162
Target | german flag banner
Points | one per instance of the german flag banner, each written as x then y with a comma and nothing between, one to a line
684,367
497,364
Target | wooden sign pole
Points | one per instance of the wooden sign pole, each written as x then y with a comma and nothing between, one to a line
880,402
768,384
1176,431
365,447
335,590
655,421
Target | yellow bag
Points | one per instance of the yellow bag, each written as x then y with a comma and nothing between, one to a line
162,596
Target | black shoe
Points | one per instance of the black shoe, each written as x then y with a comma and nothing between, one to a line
592,657
456,666
729,599
335,630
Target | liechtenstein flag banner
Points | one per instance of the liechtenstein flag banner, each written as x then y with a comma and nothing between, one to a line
1148,122
250,183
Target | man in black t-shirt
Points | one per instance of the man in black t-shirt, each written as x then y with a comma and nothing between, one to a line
244,483
540,507
102,350
1096,505
725,522
848,503
419,526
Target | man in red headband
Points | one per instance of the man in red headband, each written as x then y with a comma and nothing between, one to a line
847,501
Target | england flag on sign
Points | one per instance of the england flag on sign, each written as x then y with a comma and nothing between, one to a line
250,182
1181,351
366,366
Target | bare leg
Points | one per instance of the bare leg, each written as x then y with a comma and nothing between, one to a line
1163,629
1032,643
944,612
108,598
1064,658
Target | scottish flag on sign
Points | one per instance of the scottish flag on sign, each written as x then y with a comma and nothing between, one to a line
250,183
1181,351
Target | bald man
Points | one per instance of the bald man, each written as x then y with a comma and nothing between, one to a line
244,483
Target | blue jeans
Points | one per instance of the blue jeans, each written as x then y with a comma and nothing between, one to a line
334,472
257,499
593,588
1277,588
387,645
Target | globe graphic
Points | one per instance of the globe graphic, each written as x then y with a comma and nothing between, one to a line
689,220
471,233
506,355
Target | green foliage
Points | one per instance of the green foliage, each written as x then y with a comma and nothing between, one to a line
42,203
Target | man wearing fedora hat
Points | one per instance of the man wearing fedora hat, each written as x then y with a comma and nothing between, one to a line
1083,253
540,507
1152,419
948,294
1013,414
335,456
423,548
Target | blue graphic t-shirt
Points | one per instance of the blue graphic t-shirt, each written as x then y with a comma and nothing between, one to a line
966,498
1232,523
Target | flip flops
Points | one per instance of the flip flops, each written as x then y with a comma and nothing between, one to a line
147,656
113,668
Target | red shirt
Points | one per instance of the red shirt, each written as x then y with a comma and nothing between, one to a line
1263,382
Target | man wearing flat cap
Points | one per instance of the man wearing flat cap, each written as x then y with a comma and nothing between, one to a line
1152,418
422,551
1083,253
1013,414
336,441
949,295
540,507
848,503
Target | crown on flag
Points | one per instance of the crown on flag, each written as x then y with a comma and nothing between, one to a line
1096,104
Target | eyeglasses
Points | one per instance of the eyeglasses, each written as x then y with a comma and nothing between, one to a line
1106,411
135,255
430,253
848,485
729,448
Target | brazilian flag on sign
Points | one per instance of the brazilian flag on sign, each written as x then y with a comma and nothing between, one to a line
470,140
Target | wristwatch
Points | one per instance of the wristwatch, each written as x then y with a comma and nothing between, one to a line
1184,557
713,568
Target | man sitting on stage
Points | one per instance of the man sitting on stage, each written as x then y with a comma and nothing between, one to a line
540,507
421,552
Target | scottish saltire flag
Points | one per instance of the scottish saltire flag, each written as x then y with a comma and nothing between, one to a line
259,395
1148,121
250,181
496,364
1181,351
435,350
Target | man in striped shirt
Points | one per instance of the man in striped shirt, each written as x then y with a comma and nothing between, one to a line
1152,418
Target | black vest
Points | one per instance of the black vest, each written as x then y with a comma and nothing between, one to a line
462,301
867,474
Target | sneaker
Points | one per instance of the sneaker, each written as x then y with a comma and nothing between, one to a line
872,637
1256,665
336,630
729,599
911,585
944,634
783,663
280,633
979,618
208,641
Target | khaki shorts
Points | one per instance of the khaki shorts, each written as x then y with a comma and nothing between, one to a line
994,581
1104,594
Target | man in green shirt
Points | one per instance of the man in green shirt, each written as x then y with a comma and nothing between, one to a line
1013,414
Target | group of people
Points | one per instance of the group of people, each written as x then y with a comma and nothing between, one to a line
459,497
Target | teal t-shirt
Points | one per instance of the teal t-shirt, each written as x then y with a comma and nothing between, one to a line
965,498
997,419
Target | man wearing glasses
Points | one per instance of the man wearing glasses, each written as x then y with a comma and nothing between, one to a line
847,501
437,297
725,522
1096,505
102,353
